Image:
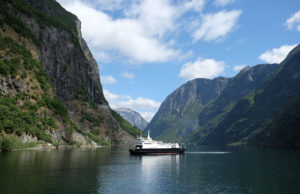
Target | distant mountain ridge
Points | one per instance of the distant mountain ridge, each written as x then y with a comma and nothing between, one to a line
133,117
250,108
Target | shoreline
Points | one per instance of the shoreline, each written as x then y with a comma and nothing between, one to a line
48,147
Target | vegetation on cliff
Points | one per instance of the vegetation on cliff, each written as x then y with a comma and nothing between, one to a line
133,130
42,82
31,107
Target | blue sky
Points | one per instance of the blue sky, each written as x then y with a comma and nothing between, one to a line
145,49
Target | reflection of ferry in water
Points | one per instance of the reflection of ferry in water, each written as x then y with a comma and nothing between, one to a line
147,146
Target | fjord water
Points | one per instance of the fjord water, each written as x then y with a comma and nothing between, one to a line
105,170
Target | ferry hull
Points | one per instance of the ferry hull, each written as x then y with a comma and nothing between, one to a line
157,151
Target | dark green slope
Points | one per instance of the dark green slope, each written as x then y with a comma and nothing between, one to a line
282,98
283,131
240,88
242,84
266,116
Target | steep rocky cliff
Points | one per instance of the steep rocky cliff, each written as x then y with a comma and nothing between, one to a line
177,117
133,117
43,42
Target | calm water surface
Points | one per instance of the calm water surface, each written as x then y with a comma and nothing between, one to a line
199,170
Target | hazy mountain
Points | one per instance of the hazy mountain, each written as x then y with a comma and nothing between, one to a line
133,117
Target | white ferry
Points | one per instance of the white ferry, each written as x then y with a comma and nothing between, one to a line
148,146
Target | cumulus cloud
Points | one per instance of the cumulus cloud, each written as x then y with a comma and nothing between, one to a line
239,67
216,26
101,56
156,16
144,106
141,32
127,75
140,103
222,3
294,21
131,37
108,79
276,55
110,96
202,68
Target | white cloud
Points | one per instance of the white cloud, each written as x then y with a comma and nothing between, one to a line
107,5
144,106
294,20
108,79
110,96
128,36
217,26
276,55
156,16
222,3
239,67
202,68
140,103
101,56
196,5
127,75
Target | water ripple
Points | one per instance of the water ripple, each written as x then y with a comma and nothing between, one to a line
207,152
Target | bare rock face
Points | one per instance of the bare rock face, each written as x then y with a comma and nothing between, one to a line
11,86
71,68
82,140
28,138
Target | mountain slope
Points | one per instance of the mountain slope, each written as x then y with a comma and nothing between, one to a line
48,71
178,115
259,106
133,117
243,84
261,113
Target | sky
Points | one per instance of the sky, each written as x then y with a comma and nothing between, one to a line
145,49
